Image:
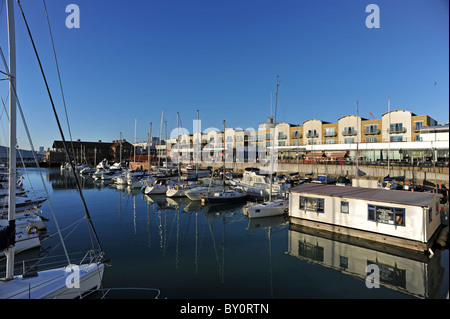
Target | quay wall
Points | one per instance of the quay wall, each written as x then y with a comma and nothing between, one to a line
413,175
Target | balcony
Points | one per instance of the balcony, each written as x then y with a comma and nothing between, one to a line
312,135
397,130
296,135
372,132
282,137
417,128
330,134
349,132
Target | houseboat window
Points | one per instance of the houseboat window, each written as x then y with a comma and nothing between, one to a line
386,215
399,214
312,204
344,207
320,205
302,202
430,214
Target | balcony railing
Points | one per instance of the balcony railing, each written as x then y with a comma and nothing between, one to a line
330,134
372,132
297,135
397,130
348,132
312,135
417,128
282,137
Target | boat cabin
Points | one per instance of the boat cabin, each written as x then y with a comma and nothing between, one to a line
406,219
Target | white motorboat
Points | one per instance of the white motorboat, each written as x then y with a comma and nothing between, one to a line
158,187
257,184
180,189
266,209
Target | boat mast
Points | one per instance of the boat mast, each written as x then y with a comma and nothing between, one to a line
149,141
134,152
178,137
273,138
165,142
120,150
12,138
389,136
199,136
223,158
357,142
160,133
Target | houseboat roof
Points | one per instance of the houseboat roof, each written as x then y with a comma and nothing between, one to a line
370,194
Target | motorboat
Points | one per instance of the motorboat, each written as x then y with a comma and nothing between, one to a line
270,208
158,187
192,170
257,184
180,189
227,196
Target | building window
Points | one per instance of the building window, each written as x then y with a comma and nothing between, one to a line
349,140
397,128
372,129
330,132
312,204
418,138
350,130
344,207
281,143
418,126
296,143
330,141
397,138
343,262
312,134
372,139
386,215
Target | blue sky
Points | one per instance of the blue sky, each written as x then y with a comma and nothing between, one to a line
132,59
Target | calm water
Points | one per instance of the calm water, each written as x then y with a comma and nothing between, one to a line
189,251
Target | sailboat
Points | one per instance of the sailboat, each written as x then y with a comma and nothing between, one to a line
71,281
270,207
236,195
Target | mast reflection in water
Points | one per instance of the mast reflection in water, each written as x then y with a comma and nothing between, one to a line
187,250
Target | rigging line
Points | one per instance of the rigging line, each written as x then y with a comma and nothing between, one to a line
59,76
19,106
60,129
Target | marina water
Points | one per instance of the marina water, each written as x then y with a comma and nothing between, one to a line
178,249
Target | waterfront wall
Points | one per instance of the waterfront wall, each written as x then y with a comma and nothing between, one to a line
412,174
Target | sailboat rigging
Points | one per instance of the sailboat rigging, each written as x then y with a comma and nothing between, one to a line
57,282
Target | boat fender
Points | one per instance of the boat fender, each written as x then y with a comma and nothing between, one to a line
33,230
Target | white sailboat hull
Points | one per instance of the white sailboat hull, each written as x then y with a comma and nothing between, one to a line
200,192
61,283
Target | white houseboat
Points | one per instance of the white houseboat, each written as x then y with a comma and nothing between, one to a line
404,219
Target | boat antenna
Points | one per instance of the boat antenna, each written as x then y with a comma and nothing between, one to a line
88,216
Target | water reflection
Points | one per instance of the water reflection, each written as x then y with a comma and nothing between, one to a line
412,274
